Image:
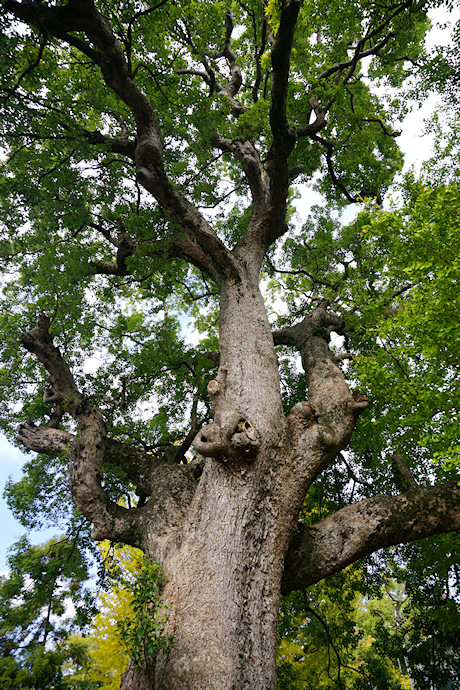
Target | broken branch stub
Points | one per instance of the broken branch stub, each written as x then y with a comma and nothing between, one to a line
230,436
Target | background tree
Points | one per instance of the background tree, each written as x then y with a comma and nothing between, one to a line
43,601
151,154
108,655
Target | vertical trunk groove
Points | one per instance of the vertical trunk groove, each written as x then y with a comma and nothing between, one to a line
225,576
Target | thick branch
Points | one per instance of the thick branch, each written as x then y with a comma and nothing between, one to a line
404,478
138,466
281,56
171,488
45,440
284,137
105,50
268,222
328,392
40,343
236,79
120,145
164,487
362,528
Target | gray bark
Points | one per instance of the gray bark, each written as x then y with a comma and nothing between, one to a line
228,541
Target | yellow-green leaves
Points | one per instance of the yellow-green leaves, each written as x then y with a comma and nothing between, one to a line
131,620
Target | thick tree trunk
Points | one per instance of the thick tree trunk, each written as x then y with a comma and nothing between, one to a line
224,577
225,565
224,585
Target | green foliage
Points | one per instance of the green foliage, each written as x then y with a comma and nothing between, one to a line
410,327
36,626
143,633
349,632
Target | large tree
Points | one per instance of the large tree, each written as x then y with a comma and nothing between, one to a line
152,154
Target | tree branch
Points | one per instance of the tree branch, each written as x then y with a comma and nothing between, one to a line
328,393
30,67
404,478
230,90
90,451
362,528
329,146
107,53
284,137
126,246
360,53
247,154
236,79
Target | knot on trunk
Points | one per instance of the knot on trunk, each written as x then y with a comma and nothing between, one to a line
230,435
359,402
305,411
234,437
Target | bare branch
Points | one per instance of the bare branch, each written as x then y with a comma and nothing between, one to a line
362,528
230,90
126,246
384,129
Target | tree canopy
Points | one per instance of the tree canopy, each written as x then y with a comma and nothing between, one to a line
159,286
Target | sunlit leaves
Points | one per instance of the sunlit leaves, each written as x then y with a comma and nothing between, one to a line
413,367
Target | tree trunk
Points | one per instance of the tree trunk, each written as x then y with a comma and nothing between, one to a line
224,577
224,586
225,564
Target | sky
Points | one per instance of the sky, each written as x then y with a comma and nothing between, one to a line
11,461
416,149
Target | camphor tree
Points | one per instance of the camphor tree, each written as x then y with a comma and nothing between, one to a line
152,150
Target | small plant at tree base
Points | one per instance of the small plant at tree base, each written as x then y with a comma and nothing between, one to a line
143,633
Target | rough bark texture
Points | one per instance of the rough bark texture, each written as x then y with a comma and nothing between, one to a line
230,539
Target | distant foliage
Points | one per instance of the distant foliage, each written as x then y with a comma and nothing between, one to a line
43,601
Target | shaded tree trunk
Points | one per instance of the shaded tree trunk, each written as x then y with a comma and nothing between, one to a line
225,565
225,575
